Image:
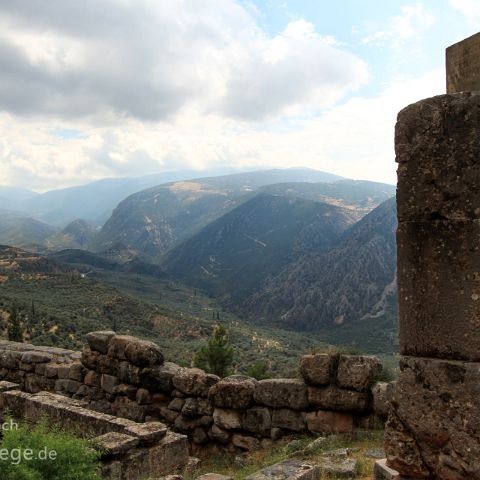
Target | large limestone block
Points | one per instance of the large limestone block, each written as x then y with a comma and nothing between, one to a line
439,289
334,398
357,372
288,419
115,444
318,369
437,150
108,382
140,353
143,353
193,381
434,423
323,421
233,392
98,341
147,433
89,359
282,393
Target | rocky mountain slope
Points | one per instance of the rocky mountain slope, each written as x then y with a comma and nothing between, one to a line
155,220
17,260
233,255
76,234
336,286
19,230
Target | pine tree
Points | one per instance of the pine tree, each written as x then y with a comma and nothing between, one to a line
14,327
217,356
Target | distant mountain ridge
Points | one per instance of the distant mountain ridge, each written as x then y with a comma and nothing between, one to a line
93,202
154,220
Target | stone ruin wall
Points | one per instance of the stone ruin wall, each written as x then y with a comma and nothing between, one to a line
127,377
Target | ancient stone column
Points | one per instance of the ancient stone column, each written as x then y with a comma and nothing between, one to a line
433,429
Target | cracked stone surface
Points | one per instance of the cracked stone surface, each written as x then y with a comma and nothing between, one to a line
433,429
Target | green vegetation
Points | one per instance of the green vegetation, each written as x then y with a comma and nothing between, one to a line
14,328
45,453
217,355
258,370
68,306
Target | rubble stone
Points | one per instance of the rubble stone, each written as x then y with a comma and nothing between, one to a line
245,442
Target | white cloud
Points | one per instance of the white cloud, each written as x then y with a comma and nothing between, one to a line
149,60
354,139
153,86
469,8
412,22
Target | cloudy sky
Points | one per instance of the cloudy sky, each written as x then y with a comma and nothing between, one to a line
109,88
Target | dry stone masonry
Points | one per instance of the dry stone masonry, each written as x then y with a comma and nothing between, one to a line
122,376
433,431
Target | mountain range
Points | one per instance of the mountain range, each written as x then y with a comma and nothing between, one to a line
92,202
296,248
